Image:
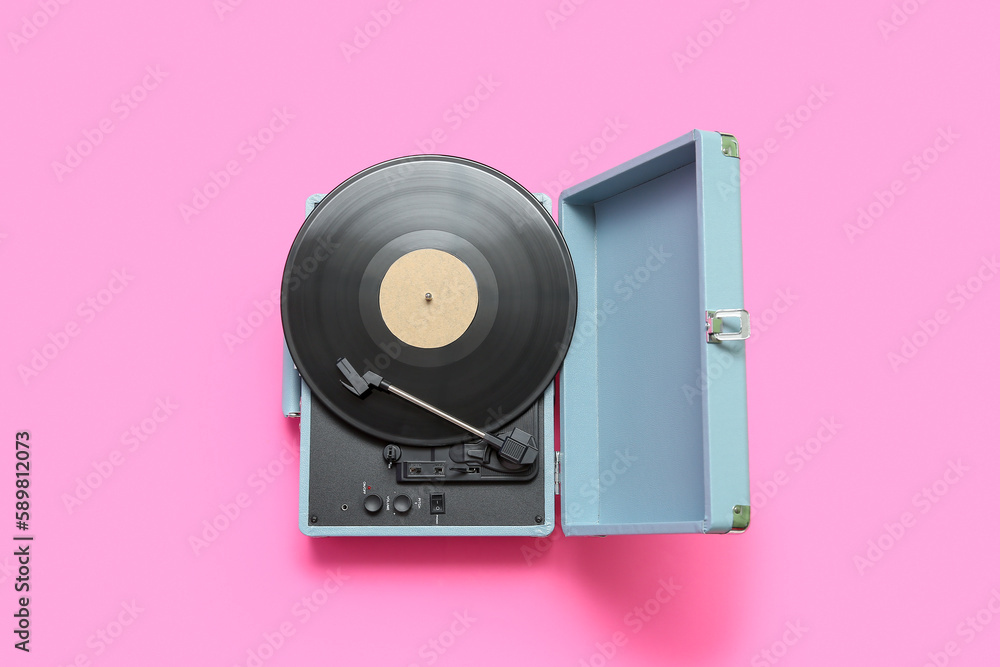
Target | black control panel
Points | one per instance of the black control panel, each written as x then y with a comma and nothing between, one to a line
356,480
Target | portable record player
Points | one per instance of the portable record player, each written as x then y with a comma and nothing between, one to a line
428,303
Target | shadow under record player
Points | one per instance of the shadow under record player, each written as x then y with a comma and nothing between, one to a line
428,303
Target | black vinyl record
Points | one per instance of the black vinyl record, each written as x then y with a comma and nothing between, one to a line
524,279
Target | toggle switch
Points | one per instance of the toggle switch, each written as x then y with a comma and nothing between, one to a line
437,503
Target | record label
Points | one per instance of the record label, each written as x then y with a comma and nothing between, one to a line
428,298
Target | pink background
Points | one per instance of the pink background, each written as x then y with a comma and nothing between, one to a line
831,303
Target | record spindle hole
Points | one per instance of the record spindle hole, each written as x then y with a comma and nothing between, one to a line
428,298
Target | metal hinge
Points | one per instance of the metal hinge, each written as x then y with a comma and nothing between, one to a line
713,325
558,469
730,147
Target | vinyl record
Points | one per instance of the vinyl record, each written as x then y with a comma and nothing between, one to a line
442,275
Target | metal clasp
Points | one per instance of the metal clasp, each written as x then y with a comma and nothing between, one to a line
713,325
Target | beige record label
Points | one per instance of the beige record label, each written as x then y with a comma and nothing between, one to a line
428,298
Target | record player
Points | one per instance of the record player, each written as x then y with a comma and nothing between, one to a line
433,312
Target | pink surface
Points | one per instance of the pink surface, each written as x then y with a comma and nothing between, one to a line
873,538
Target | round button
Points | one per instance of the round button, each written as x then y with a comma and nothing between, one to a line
401,503
373,503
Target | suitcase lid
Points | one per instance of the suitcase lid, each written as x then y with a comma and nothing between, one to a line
653,405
